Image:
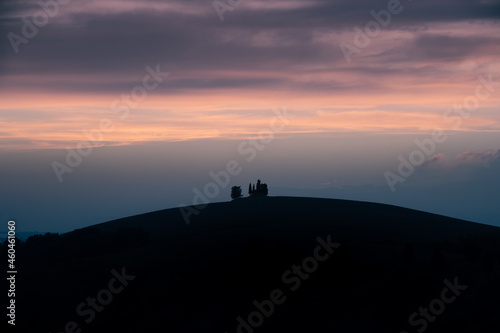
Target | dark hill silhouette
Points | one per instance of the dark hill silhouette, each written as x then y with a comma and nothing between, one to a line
201,277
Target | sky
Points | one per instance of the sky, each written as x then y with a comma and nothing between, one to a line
115,108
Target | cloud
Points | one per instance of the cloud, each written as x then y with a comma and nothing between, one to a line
470,157
465,159
271,52
436,161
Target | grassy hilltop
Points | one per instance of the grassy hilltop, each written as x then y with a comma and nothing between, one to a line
264,265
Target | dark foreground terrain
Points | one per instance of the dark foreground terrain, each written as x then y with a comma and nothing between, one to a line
271,264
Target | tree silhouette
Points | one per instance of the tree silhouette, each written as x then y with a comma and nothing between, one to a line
260,189
236,192
263,189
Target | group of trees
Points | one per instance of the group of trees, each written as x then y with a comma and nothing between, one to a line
259,189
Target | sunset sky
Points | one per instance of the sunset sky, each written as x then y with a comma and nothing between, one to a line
350,118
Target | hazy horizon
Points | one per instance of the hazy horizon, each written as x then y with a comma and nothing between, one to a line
115,182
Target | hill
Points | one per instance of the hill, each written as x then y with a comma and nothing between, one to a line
265,264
